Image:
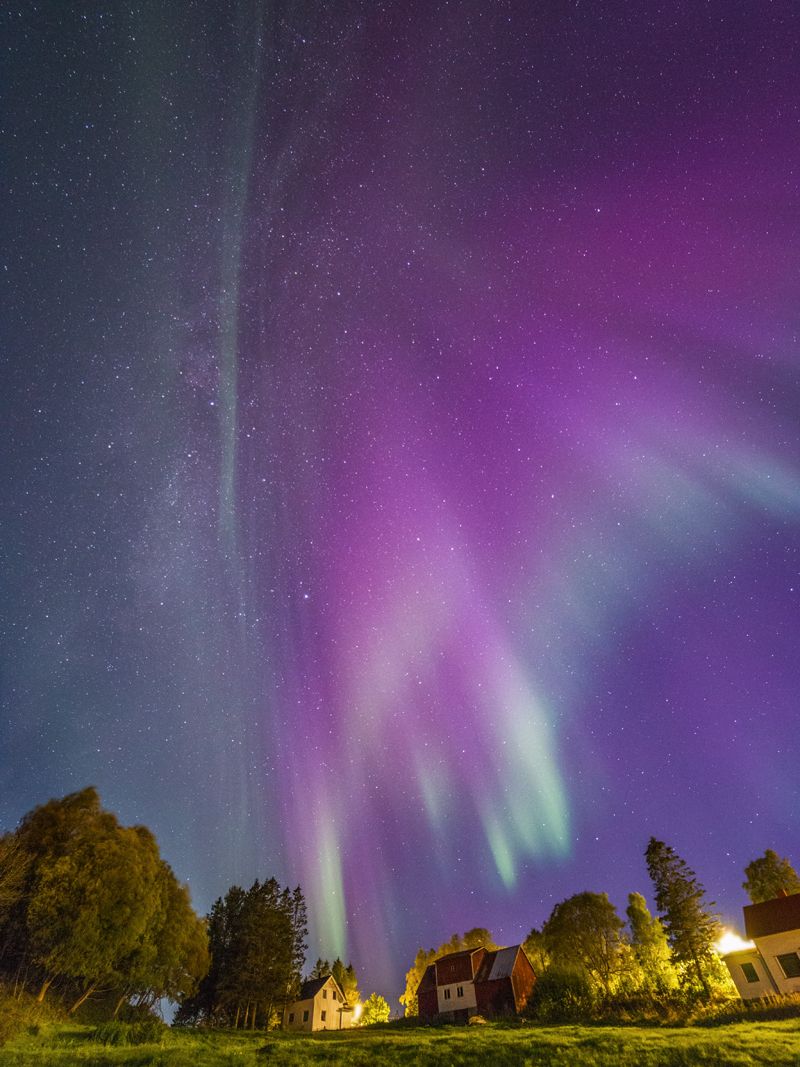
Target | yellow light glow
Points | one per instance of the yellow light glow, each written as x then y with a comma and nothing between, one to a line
358,1008
731,942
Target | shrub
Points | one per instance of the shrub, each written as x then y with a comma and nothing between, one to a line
147,1032
22,1013
561,996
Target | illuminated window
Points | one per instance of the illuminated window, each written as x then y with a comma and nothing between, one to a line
447,994
323,1016
460,991
750,973
790,964
305,1016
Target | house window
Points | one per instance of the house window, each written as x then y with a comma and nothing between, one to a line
305,1016
790,964
750,973
291,1016
324,994
333,994
460,991
323,1016
447,994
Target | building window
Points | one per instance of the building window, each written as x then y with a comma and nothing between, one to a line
323,1016
447,994
291,1016
333,994
790,964
460,991
324,994
750,973
305,1016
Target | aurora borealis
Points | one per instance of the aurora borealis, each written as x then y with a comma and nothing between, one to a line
401,478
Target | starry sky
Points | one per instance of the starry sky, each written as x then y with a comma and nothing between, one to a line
400,490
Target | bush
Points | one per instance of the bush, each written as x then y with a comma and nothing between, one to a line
147,1032
22,1013
561,996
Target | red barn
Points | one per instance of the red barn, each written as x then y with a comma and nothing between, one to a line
476,982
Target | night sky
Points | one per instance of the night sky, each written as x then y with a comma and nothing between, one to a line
400,414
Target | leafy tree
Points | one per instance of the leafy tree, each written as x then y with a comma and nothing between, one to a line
692,929
423,959
650,947
770,876
536,951
583,934
477,937
321,969
14,864
376,1010
92,905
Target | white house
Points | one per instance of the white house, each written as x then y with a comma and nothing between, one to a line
772,965
321,1005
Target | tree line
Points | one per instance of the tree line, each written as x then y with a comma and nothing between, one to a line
89,909
585,955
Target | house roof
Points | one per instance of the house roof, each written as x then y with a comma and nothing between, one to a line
772,916
310,988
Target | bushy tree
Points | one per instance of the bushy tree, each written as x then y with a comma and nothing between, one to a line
92,907
536,951
376,1010
769,876
650,948
692,928
584,934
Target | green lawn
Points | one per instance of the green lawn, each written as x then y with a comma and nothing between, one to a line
774,1043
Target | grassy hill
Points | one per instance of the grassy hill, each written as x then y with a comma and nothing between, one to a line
775,1043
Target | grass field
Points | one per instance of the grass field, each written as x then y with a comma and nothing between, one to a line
774,1043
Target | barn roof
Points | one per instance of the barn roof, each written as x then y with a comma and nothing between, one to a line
503,963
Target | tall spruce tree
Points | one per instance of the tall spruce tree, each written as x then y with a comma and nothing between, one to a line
692,928
769,876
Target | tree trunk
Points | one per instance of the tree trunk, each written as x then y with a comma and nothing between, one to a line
120,1002
45,986
236,1020
84,996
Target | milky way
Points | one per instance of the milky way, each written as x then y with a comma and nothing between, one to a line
402,479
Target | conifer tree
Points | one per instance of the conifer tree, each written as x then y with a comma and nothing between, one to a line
769,876
692,929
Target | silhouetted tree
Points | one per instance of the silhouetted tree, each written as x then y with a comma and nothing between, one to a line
769,876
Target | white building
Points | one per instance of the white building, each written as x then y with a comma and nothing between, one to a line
772,965
321,1005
